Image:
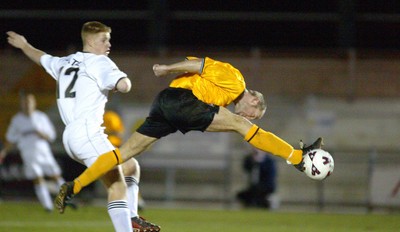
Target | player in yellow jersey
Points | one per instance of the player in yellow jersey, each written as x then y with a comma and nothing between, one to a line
196,100
114,127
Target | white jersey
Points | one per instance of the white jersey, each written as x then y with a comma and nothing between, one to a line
35,151
23,131
83,83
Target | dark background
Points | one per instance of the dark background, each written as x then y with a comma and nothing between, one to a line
173,24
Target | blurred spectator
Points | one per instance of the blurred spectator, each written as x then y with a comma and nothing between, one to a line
114,127
31,131
262,173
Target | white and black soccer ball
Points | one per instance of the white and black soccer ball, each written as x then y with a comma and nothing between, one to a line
318,164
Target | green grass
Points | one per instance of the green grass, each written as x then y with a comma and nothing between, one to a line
25,216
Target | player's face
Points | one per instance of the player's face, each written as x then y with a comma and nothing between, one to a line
248,111
100,43
247,107
28,104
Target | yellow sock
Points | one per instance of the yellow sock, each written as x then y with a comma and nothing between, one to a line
102,165
269,142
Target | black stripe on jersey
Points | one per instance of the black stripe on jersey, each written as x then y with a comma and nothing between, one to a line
203,60
202,65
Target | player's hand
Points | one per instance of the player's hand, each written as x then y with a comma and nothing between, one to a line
16,39
160,70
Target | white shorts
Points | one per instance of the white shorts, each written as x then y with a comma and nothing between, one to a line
85,141
41,166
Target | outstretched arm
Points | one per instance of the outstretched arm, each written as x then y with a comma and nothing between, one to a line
187,66
20,42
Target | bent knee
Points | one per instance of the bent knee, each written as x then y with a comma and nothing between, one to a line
131,168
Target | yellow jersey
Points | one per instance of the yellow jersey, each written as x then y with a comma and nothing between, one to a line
218,83
114,127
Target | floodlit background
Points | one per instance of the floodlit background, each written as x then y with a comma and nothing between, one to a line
327,68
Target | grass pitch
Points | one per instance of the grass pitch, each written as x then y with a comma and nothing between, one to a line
26,216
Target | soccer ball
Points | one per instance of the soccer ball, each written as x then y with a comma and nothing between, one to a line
318,164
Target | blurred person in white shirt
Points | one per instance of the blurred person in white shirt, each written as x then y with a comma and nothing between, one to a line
31,131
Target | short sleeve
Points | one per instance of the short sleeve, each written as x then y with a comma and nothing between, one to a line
106,72
52,64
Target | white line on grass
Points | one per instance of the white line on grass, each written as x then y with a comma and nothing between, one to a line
17,224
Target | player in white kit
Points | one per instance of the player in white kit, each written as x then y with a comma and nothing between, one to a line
32,131
84,80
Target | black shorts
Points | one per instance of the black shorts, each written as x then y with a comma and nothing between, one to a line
177,109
